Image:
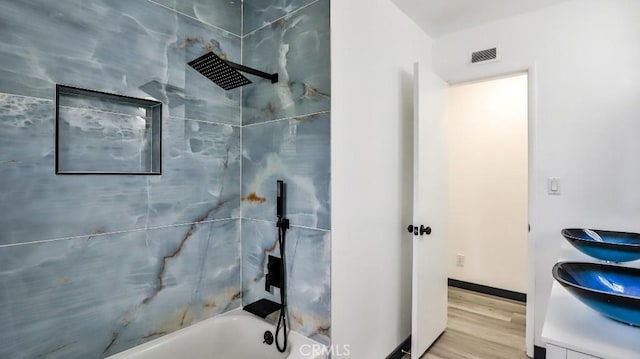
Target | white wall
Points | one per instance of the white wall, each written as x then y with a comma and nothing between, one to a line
587,116
373,48
488,184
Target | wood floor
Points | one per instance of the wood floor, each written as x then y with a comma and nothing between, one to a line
481,327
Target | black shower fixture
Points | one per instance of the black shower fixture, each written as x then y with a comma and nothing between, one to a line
224,73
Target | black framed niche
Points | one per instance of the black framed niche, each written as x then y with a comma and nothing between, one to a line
106,134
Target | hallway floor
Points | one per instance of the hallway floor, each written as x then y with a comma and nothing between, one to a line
481,326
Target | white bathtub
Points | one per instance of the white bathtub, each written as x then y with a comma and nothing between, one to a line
233,335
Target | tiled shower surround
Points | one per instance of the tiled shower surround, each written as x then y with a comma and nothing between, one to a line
286,136
92,265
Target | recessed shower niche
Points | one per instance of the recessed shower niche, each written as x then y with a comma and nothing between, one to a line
103,133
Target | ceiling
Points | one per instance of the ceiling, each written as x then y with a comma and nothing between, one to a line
439,17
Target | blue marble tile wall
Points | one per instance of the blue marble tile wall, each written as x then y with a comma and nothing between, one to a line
137,48
92,265
308,265
259,13
225,14
286,135
297,47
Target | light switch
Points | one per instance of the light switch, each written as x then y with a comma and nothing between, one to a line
553,185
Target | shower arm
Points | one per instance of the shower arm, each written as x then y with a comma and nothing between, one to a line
249,70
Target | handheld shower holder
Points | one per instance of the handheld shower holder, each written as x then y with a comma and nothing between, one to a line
282,223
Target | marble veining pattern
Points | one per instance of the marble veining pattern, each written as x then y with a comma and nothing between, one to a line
286,135
95,141
308,265
200,180
35,203
298,49
258,13
225,14
296,151
94,296
134,48
201,174
178,259
100,103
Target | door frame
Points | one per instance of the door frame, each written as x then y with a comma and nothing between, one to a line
532,125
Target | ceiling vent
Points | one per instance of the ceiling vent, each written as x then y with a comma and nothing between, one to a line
484,56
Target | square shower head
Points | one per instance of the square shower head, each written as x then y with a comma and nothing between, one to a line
217,70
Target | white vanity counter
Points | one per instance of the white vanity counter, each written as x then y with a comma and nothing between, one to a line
574,331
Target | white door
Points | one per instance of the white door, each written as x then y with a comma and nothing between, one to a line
429,283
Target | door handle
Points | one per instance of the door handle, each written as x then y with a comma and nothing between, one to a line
422,230
413,229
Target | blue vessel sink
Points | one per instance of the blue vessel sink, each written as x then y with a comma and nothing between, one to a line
605,245
611,290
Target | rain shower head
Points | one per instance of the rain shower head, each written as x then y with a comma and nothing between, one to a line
218,71
225,73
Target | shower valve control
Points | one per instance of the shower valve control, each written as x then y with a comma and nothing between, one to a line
274,273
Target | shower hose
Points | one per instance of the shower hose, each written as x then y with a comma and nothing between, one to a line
282,320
